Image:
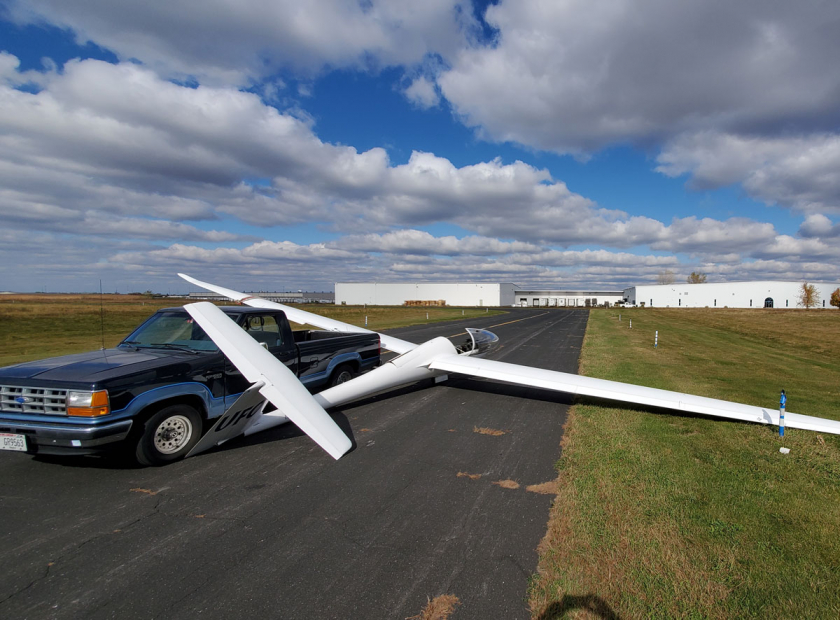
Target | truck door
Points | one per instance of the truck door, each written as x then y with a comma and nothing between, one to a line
272,332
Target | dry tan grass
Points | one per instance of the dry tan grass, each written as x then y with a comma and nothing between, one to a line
438,608
24,316
463,474
507,484
494,432
546,488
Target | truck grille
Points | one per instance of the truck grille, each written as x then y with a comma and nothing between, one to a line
19,399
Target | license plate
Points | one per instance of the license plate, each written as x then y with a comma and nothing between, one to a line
8,441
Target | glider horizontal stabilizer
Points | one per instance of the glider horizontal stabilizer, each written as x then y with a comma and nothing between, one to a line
280,385
302,316
625,392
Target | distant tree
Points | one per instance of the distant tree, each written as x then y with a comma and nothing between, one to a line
697,277
835,298
809,296
665,277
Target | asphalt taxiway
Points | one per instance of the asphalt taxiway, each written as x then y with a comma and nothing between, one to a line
271,526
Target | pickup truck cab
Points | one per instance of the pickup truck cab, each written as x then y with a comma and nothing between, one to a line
161,387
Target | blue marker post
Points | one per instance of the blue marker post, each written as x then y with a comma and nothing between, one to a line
782,401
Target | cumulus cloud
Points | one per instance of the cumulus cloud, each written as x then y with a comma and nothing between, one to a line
739,93
122,141
103,150
420,242
575,76
422,93
802,172
818,225
801,250
236,41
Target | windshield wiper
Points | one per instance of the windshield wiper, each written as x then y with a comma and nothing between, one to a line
174,347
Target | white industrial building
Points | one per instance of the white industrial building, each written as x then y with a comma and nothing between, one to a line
567,299
452,293
726,295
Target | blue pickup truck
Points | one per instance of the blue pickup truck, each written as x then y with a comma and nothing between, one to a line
161,387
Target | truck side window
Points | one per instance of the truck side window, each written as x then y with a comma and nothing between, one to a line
264,329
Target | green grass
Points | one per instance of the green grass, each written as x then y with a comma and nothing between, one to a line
675,516
37,326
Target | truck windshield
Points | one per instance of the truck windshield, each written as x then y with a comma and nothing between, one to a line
170,330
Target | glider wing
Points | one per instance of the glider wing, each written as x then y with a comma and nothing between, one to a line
280,385
301,316
625,392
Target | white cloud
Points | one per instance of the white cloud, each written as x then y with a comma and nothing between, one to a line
424,243
423,93
799,250
236,41
818,225
8,66
575,76
802,172
739,93
105,151
121,141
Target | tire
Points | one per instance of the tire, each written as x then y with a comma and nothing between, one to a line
342,374
168,435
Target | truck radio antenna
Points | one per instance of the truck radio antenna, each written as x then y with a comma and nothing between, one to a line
101,315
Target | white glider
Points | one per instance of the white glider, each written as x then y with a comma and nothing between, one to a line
432,359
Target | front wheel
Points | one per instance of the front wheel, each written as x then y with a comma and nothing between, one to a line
342,374
168,435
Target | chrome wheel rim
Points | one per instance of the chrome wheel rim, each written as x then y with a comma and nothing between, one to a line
343,377
173,434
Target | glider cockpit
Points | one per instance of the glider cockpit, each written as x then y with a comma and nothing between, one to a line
479,342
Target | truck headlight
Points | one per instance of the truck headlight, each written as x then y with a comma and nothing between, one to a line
88,404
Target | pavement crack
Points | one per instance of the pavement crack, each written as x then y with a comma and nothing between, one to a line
29,585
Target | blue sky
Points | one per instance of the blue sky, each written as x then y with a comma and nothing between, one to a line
277,144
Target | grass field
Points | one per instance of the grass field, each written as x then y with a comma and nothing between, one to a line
672,516
37,326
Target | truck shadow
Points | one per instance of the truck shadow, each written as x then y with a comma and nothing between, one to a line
124,461
89,461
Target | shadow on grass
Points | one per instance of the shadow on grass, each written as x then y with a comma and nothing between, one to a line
593,604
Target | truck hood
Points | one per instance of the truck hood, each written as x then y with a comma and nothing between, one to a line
91,367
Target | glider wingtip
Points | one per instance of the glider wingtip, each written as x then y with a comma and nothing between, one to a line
340,451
